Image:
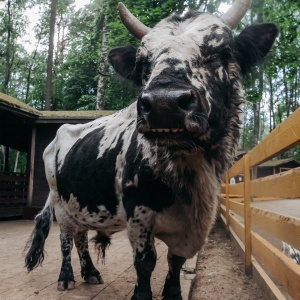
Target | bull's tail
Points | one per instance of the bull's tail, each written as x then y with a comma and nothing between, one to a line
36,242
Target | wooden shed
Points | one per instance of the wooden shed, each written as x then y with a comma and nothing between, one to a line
276,166
29,130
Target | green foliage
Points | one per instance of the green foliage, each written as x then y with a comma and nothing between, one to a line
297,153
279,96
21,162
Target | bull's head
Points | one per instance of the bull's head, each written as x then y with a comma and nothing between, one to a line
189,68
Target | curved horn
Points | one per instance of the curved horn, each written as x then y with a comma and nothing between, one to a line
236,12
136,27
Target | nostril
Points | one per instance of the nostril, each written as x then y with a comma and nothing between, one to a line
187,100
145,103
146,107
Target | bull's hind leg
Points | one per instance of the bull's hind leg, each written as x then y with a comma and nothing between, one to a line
88,272
66,277
172,288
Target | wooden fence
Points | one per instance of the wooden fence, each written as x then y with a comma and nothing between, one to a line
13,193
241,218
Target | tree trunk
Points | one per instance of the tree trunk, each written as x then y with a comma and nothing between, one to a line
279,113
256,104
286,95
103,66
30,69
272,113
3,156
8,47
16,161
256,125
256,109
48,95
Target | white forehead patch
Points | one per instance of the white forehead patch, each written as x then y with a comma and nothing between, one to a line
181,42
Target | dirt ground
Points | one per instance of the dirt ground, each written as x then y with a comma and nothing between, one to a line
220,272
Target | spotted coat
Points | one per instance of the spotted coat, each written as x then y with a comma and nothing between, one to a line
156,166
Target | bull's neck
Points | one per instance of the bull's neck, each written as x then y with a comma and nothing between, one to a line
176,168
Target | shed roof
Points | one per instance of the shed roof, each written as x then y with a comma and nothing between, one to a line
278,162
21,108
17,120
17,107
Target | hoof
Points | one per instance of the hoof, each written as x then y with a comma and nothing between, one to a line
142,296
65,285
94,280
178,297
172,294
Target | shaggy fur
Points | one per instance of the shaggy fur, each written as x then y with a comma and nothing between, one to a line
156,166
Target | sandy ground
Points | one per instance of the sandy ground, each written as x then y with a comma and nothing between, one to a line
220,272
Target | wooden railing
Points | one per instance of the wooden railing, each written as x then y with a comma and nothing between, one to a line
240,217
13,193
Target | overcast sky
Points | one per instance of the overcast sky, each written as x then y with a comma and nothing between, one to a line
33,16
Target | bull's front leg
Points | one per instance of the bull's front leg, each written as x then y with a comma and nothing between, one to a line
141,237
172,290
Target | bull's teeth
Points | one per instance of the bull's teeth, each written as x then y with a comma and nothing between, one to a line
167,130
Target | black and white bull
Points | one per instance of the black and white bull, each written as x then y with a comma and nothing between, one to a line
155,167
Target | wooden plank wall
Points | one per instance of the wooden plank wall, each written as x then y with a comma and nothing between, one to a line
13,193
44,135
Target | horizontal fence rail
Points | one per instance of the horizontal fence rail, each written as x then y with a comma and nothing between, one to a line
249,224
13,193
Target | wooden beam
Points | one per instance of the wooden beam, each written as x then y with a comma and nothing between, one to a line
237,207
285,136
283,227
238,227
236,189
31,171
237,168
283,185
283,269
265,283
247,215
227,203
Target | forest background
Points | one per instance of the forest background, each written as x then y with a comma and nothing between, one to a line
61,62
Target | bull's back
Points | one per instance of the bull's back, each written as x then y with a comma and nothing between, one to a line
81,162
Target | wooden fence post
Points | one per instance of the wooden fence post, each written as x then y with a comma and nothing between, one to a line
227,202
247,215
31,166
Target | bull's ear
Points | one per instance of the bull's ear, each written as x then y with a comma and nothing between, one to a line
122,60
253,44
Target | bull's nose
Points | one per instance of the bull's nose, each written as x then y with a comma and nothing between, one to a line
167,101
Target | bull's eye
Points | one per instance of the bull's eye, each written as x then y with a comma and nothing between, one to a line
226,54
145,72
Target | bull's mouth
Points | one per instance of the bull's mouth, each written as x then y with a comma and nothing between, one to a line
166,130
167,136
176,139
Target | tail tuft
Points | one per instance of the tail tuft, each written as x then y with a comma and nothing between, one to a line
101,242
36,242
